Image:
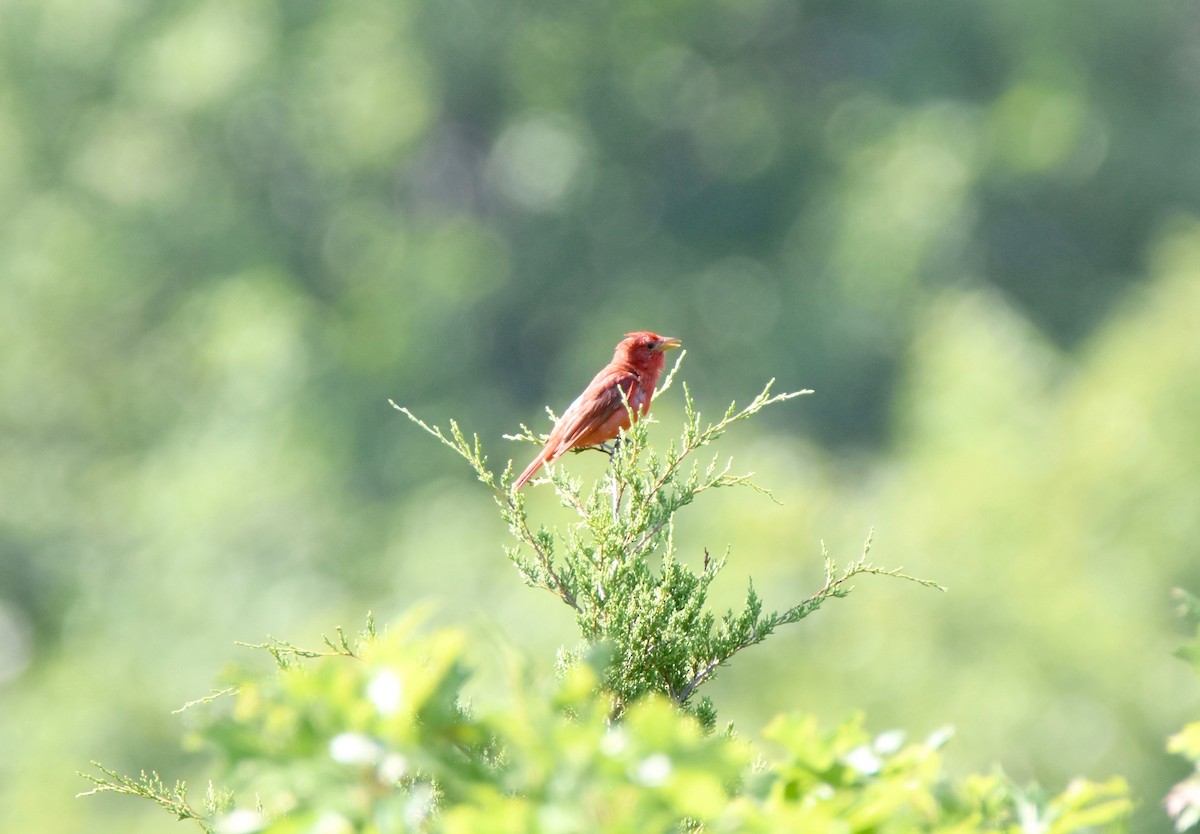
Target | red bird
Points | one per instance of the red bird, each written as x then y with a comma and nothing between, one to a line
598,415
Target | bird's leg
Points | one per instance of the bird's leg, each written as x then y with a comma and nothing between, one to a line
607,448
611,449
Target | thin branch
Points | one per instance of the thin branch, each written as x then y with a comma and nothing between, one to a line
148,786
835,587
527,536
697,679
216,695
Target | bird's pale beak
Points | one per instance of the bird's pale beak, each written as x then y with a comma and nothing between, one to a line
669,343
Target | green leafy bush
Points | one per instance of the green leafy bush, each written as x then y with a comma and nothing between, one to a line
375,734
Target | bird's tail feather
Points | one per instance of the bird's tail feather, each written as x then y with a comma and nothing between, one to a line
530,471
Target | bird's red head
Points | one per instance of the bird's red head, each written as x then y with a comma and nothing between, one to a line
644,349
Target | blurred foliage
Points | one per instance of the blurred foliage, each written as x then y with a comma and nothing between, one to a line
230,229
376,737
1183,802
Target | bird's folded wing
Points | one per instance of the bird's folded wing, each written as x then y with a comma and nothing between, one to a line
593,408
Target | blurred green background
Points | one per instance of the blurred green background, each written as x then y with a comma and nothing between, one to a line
230,230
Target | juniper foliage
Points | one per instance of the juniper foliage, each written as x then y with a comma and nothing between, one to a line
618,565
174,799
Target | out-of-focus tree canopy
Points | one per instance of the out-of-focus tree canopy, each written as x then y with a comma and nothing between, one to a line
229,230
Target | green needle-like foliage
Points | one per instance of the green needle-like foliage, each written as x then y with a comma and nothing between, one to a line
150,786
618,565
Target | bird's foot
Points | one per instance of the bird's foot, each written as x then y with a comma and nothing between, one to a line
610,448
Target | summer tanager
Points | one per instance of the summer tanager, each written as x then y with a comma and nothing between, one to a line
598,414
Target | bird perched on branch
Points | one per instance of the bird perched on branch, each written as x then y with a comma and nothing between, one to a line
598,414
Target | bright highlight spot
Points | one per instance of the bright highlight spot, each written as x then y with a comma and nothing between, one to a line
385,691
354,749
393,768
614,742
241,821
654,770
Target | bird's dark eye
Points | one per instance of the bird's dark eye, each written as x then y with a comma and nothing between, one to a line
650,344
